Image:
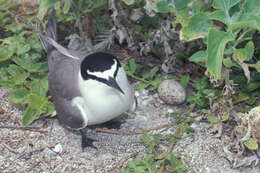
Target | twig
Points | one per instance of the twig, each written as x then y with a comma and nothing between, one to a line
197,115
240,100
133,132
35,129
9,148
33,166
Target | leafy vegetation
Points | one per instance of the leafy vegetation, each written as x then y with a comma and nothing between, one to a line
154,161
228,31
148,79
24,69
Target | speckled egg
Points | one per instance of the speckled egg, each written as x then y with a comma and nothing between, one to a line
171,92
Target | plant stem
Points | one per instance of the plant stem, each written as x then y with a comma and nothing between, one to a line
137,78
241,36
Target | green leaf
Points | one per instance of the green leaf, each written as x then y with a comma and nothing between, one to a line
180,4
250,48
251,86
132,66
152,73
240,54
48,108
36,101
245,21
217,41
218,15
213,119
199,56
129,2
251,144
18,73
40,87
5,53
185,80
224,4
37,106
224,118
30,115
251,7
67,5
18,96
155,83
183,16
228,62
44,6
251,100
163,6
198,26
141,86
242,95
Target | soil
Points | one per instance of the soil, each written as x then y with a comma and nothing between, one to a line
47,146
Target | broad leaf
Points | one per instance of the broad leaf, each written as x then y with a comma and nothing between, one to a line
213,119
5,53
40,87
47,108
250,48
217,41
163,6
44,6
251,6
229,63
218,15
224,4
67,5
185,80
141,86
251,144
180,4
199,56
18,96
245,21
31,114
197,27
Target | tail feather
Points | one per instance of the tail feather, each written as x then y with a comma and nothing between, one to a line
51,31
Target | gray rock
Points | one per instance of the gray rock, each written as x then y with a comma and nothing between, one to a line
171,92
49,153
58,148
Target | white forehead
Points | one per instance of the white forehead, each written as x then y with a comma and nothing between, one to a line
105,74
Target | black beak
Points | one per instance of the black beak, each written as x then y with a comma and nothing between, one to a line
112,83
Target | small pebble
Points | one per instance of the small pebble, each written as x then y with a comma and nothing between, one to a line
144,92
58,148
21,149
144,102
137,94
170,111
49,153
194,125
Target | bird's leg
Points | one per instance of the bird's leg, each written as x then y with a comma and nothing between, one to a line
86,142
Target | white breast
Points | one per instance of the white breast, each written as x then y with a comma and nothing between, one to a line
103,103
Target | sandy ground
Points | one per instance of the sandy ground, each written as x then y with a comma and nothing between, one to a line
50,147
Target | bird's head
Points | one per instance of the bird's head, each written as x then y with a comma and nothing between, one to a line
101,67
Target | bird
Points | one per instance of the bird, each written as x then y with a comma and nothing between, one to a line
86,88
